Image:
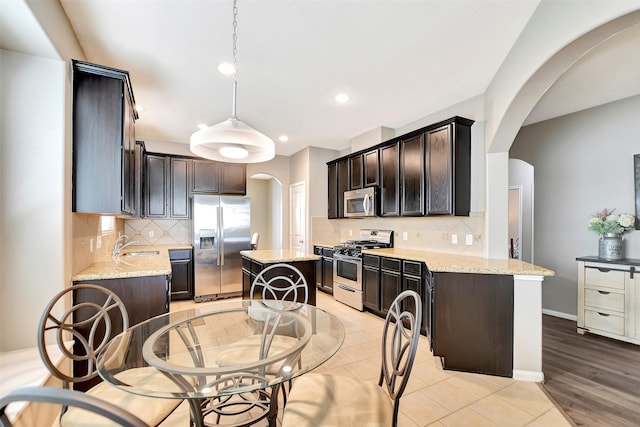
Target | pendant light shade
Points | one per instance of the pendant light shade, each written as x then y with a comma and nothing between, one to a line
233,141
226,141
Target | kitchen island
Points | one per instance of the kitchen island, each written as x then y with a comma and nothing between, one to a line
253,262
481,315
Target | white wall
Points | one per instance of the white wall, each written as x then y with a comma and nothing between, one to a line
583,163
33,227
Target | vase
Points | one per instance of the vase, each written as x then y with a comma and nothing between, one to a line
610,246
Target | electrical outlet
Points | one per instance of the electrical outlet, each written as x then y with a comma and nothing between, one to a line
405,235
350,232
454,239
151,233
469,239
90,245
98,242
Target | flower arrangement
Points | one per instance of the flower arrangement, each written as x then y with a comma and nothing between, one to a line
607,221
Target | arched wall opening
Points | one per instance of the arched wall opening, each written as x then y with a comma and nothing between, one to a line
265,192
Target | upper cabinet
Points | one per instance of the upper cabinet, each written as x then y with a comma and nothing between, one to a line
211,177
425,172
104,145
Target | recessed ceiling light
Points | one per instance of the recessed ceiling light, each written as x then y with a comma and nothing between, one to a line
342,98
202,126
283,138
226,68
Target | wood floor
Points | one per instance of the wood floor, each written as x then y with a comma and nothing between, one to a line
596,380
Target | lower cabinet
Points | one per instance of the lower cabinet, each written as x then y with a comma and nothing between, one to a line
371,282
609,298
144,297
324,268
181,274
251,268
390,282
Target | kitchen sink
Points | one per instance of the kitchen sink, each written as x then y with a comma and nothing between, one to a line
141,253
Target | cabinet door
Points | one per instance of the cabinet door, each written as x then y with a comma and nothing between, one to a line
129,157
327,274
371,287
206,177
233,178
355,173
179,188
390,181
332,190
371,168
319,280
181,279
343,184
390,286
412,176
412,283
156,171
439,171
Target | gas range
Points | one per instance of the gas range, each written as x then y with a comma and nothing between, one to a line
369,239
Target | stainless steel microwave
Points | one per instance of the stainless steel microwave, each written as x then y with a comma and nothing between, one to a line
360,203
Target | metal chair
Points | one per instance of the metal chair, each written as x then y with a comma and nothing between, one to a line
273,285
325,400
89,405
91,325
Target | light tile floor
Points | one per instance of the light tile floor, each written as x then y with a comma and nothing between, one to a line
434,397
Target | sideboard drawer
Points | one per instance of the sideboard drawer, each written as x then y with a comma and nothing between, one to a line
604,299
604,322
607,278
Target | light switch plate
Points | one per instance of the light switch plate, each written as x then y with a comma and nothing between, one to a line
469,238
151,233
454,239
405,235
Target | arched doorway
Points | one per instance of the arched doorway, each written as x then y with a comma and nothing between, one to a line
265,192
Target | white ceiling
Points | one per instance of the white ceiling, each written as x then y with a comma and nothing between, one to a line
399,61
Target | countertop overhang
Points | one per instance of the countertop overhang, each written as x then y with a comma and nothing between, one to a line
271,256
136,266
456,263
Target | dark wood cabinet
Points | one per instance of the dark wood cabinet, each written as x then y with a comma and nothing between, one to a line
371,282
371,168
390,282
473,322
139,170
448,168
343,184
206,177
181,274
413,279
355,172
167,187
103,140
324,269
332,190
390,180
412,180
251,268
233,178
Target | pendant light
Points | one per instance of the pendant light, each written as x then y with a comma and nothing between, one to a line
233,141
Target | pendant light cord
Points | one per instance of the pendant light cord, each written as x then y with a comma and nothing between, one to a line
235,61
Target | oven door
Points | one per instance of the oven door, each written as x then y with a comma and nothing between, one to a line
347,270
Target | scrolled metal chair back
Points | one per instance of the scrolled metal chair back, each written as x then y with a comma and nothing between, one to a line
281,287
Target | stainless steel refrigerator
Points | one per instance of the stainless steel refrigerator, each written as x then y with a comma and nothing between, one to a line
221,229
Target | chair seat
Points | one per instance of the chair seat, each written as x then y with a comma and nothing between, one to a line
151,410
330,400
248,350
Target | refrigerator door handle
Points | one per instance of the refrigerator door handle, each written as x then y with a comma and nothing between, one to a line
221,237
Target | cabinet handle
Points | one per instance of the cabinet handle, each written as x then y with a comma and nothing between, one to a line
604,270
604,292
604,314
632,270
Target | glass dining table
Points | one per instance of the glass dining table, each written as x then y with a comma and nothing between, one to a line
225,358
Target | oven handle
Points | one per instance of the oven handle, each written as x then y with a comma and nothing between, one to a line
346,288
353,259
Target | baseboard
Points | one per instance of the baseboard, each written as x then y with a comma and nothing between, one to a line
560,314
532,376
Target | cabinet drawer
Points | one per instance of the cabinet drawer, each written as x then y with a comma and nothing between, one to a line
604,299
608,278
392,264
604,322
412,268
371,260
179,254
327,252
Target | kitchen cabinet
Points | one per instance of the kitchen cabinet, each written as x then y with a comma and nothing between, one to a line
371,282
390,180
371,168
413,279
473,322
103,141
143,297
609,298
390,282
210,177
140,153
332,190
448,168
412,181
355,172
181,274
251,268
324,268
167,187
343,184
233,178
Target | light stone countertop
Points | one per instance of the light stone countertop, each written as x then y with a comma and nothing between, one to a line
271,256
131,266
455,263
326,245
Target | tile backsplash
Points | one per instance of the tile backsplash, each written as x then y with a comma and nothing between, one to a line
158,231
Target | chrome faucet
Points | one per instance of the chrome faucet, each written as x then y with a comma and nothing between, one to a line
117,247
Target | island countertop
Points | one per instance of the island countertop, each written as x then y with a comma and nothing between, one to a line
131,266
455,263
270,256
